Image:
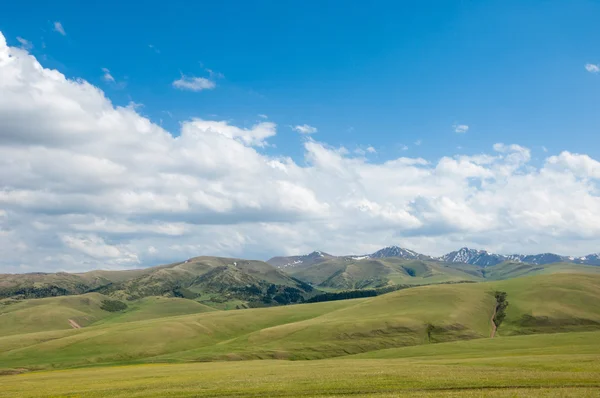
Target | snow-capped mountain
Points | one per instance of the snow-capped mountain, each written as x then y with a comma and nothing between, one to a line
590,259
317,257
464,255
395,251
472,256
539,259
484,258
300,261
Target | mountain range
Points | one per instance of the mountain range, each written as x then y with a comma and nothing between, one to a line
226,283
481,258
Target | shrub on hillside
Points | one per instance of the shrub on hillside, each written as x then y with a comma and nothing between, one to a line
113,305
182,292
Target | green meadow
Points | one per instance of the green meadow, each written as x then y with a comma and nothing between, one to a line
425,340
556,365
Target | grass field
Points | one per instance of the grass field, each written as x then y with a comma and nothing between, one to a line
421,315
557,365
422,340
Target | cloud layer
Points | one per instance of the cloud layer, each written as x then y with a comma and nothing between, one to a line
87,184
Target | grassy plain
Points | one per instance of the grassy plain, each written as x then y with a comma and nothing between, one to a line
420,341
557,365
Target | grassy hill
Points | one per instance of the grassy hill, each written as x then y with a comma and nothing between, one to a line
51,313
213,280
508,270
55,313
347,273
415,316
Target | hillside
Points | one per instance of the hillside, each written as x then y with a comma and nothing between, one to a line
65,312
420,315
302,261
346,273
212,280
508,270
369,273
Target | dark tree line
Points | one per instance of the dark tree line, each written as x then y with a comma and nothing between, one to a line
350,294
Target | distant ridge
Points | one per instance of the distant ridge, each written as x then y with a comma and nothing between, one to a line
305,260
465,255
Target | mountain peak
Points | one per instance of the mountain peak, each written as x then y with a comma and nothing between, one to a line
304,260
472,256
397,251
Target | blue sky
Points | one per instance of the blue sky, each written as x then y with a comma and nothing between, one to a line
133,136
386,74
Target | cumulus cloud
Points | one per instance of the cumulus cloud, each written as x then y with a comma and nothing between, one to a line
87,184
191,83
59,28
460,128
592,68
580,165
304,129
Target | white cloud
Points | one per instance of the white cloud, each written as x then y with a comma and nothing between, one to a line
418,142
305,129
107,76
25,44
85,183
580,165
592,68
95,247
460,128
370,149
59,28
153,47
255,136
194,83
262,116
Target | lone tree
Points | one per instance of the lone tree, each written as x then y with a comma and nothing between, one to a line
501,305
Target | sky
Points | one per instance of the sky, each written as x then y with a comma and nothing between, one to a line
134,136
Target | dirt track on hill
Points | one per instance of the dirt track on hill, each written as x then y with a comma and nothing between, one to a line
74,324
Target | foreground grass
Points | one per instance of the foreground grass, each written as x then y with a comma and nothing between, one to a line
558,365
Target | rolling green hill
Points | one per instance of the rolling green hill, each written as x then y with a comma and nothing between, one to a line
68,312
347,273
508,270
415,316
213,280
